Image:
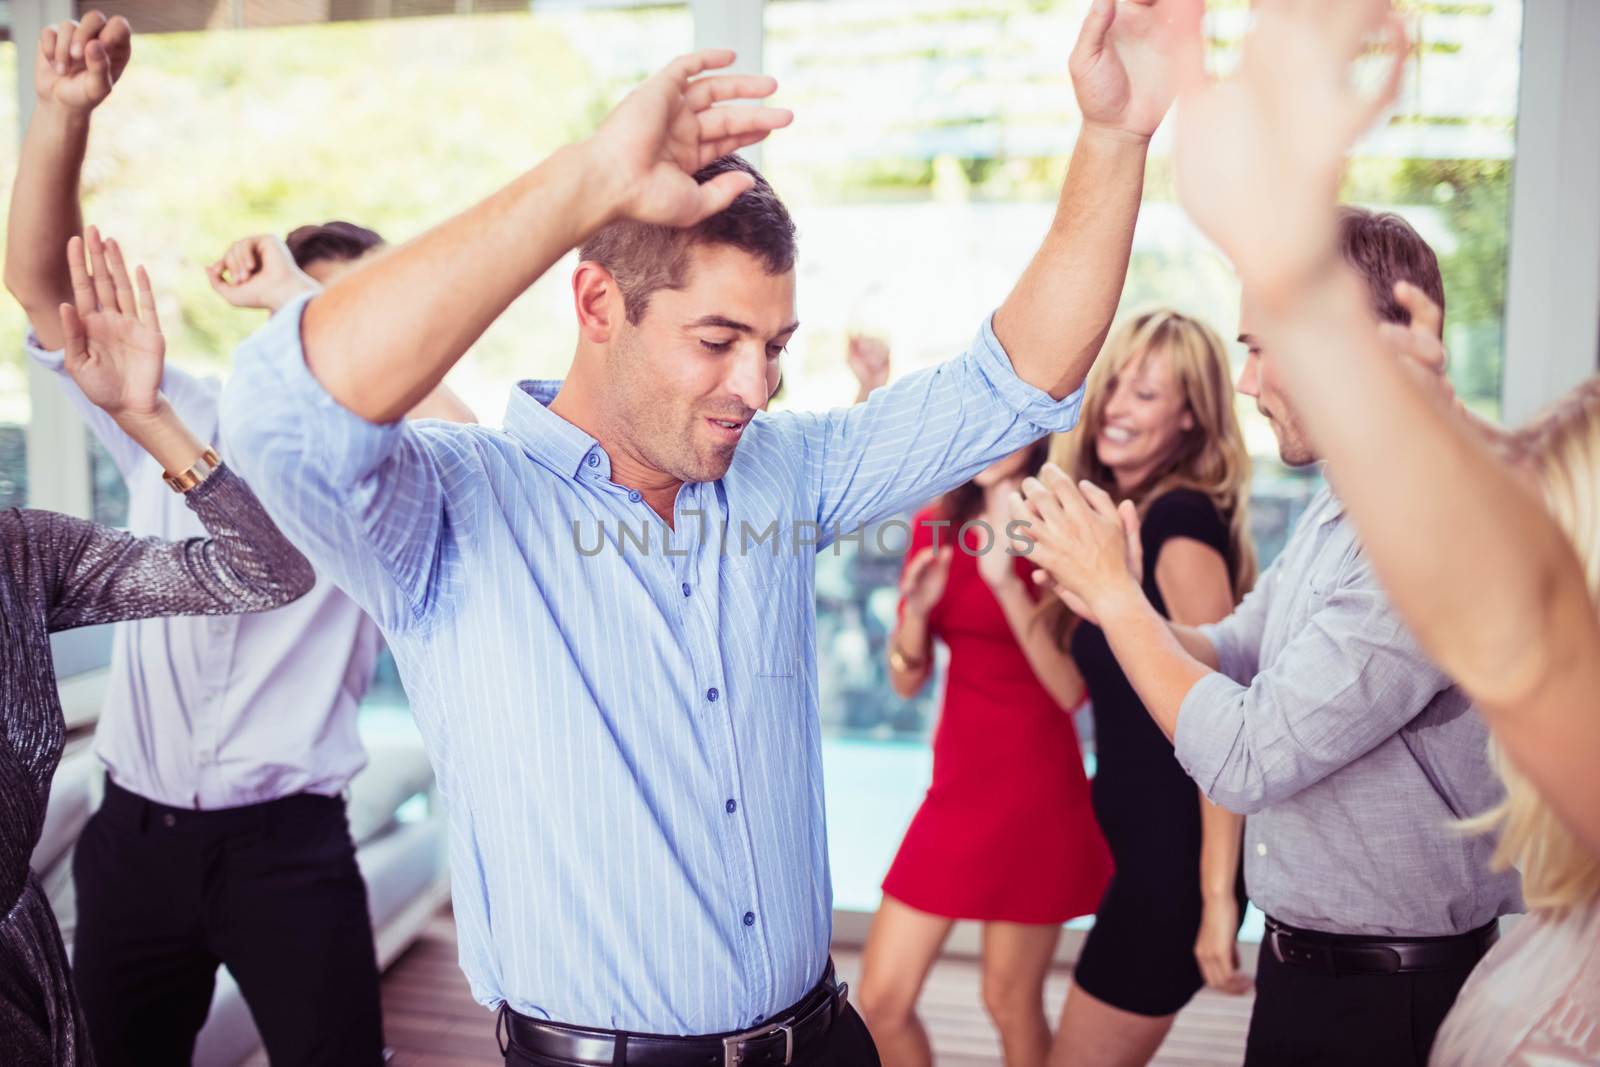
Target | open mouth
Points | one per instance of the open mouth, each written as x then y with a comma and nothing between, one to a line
727,429
1116,434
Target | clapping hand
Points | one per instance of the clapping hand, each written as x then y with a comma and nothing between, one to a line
665,130
258,272
79,62
114,347
1086,545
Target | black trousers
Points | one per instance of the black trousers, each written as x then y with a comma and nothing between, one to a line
848,1045
1307,1018
272,890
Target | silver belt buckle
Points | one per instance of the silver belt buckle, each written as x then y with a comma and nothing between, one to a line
730,1045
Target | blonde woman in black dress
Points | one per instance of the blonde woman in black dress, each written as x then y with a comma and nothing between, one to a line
57,573
1159,431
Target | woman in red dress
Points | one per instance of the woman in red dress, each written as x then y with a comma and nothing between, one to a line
1006,835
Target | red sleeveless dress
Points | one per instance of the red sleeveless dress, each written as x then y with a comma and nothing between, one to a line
1006,832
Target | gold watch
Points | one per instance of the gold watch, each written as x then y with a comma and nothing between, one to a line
203,467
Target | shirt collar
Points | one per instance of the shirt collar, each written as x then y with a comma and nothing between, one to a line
549,437
1329,507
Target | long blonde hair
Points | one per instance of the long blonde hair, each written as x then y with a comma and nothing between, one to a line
1561,449
1210,457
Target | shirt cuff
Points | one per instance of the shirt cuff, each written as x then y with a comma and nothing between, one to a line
1029,402
50,360
1208,729
272,362
1231,661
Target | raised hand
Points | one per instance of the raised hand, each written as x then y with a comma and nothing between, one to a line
114,347
258,272
923,583
667,129
1124,66
868,358
80,61
1260,154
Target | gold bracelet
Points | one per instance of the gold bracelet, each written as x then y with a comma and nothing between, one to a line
203,467
902,662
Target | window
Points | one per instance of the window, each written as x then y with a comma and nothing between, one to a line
108,493
923,181
432,115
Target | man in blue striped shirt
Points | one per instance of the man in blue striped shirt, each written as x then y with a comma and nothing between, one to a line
603,614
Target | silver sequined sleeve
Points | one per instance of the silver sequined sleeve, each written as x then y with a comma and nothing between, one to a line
96,575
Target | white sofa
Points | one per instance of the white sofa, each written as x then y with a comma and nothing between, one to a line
394,819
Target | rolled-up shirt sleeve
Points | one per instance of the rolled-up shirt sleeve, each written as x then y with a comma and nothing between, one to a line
1237,638
364,501
1349,679
926,433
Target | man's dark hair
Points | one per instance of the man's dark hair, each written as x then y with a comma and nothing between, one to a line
331,240
644,258
1385,249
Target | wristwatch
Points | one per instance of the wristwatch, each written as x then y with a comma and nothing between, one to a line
208,462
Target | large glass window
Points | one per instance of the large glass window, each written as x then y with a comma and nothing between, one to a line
923,171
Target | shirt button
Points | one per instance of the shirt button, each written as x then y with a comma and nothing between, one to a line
594,460
711,694
169,820
633,495
749,918
732,806
685,588
1261,848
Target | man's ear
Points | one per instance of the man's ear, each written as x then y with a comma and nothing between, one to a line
597,299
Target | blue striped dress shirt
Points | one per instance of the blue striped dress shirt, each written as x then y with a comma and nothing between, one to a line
622,714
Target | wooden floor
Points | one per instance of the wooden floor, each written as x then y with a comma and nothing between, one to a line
431,1021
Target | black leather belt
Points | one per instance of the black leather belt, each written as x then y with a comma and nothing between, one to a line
1345,954
787,1035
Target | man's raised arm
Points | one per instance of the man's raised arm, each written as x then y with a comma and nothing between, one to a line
75,66
1055,320
1471,559
383,336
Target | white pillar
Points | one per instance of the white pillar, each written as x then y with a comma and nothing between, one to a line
1553,281
735,24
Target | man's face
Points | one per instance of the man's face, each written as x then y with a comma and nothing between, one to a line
701,362
1259,379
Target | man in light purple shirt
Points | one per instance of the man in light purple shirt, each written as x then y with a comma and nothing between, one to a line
228,743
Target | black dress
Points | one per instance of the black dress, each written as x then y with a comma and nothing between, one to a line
57,573
1139,956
